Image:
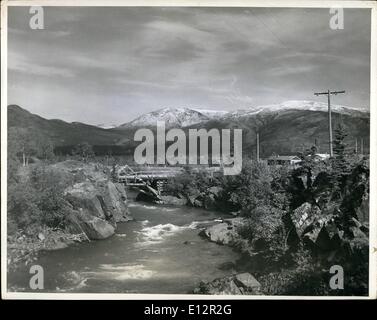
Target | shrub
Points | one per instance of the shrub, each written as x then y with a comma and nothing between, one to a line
37,198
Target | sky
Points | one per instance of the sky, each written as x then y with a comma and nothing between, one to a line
109,65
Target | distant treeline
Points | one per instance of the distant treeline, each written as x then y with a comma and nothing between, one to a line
281,147
99,150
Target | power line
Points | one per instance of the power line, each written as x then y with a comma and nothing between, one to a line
329,93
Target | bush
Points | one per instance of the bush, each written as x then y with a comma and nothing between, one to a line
250,189
37,198
190,183
303,277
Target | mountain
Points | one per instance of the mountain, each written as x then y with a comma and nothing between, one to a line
212,114
173,118
289,131
297,105
185,117
106,126
285,128
60,132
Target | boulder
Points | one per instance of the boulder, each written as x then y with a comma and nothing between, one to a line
94,227
219,233
304,216
221,286
96,203
103,199
97,229
225,232
248,282
113,201
145,197
324,238
84,195
171,200
239,284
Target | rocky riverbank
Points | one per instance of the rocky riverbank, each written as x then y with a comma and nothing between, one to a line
94,205
225,232
238,284
309,228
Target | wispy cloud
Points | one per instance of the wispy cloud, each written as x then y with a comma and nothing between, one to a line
20,63
287,70
121,62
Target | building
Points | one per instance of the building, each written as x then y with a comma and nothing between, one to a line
321,157
283,160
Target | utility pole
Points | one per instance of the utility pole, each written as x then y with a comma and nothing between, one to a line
362,146
356,145
329,93
257,146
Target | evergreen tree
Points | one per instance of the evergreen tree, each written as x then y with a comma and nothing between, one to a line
84,151
340,164
114,175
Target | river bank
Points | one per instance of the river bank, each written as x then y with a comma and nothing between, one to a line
84,205
160,251
100,213
170,248
289,241
222,230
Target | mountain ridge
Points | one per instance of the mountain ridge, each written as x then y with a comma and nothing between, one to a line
184,116
281,131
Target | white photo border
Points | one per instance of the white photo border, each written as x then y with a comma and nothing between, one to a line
5,4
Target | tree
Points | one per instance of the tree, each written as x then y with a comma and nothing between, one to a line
84,151
341,167
25,143
22,143
45,148
250,189
114,175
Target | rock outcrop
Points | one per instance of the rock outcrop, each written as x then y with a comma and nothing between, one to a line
96,203
208,199
95,228
171,200
322,234
239,284
224,232
304,216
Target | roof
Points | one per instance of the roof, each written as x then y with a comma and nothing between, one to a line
322,155
283,158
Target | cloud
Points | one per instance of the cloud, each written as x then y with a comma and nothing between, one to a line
20,63
287,70
131,60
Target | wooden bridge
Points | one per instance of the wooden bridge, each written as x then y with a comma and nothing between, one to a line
149,180
137,177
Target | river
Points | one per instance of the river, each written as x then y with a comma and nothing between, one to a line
159,252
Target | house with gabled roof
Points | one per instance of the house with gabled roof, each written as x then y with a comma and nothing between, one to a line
283,160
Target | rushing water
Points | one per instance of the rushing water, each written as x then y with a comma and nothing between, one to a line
159,252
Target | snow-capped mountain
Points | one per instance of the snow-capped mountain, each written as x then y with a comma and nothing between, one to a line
302,105
173,117
184,117
284,129
106,126
213,114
